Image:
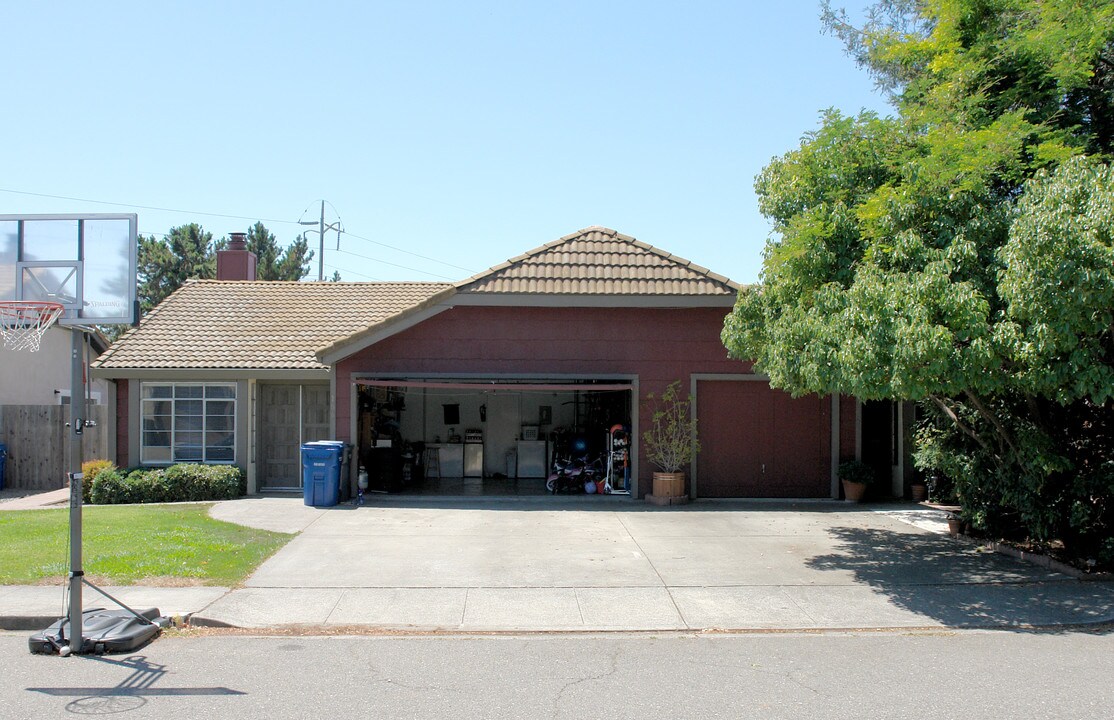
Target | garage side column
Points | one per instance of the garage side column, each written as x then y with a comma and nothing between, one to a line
835,447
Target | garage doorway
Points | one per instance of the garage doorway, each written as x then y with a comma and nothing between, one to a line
485,437
758,442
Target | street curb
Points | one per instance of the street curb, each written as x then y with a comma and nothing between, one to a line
1038,559
38,622
387,629
1046,562
27,622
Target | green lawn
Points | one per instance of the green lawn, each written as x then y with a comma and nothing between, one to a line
137,544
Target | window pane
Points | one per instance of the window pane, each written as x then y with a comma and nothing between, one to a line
187,454
219,455
187,438
188,407
219,439
157,422
189,391
220,423
220,391
220,407
157,391
188,423
156,439
156,454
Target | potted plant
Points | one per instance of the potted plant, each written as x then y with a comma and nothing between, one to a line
918,491
670,443
856,476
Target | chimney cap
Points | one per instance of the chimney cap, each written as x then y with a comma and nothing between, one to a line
237,241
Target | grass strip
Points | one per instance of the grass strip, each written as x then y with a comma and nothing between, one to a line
134,544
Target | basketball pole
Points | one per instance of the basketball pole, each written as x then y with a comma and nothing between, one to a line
77,428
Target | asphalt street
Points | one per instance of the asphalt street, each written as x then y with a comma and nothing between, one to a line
942,674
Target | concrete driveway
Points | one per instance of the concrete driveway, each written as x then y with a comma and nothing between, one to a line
610,564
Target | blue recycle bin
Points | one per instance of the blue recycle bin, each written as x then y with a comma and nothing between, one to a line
345,449
3,461
321,474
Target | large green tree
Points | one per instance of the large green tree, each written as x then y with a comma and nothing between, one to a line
188,251
165,263
289,263
933,255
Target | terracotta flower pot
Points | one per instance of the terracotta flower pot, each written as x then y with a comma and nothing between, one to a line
854,491
955,526
919,492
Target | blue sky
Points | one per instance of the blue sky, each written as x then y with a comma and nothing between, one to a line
463,133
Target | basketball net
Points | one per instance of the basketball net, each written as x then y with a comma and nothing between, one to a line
23,323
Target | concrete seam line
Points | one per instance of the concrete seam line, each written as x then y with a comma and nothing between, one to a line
464,607
211,603
579,608
797,605
333,609
639,546
668,591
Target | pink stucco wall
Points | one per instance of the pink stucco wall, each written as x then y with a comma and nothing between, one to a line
123,412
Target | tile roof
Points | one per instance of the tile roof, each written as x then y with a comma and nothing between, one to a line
265,325
214,324
599,261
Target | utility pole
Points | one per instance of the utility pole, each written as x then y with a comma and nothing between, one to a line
321,228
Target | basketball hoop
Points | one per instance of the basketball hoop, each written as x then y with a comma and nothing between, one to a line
22,323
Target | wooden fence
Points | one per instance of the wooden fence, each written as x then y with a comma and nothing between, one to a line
38,443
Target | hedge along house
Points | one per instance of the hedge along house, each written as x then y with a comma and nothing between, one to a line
561,344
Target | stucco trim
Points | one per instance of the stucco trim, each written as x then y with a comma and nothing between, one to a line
229,375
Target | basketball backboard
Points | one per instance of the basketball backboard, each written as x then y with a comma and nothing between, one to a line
85,262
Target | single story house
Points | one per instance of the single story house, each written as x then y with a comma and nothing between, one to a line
484,379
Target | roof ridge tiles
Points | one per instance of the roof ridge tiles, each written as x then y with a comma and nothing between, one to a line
606,253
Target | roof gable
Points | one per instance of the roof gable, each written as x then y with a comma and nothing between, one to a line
599,261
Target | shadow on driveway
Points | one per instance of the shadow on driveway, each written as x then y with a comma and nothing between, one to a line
963,586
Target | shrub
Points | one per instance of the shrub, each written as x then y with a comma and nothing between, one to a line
90,469
107,488
856,471
178,483
205,482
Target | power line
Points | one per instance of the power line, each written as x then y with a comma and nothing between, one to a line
348,271
245,217
148,207
404,267
362,257
417,255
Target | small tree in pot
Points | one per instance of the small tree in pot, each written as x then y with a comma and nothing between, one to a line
670,441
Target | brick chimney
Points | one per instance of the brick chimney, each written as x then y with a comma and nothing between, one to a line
236,262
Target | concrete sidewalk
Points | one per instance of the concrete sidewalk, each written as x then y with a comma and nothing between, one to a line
554,564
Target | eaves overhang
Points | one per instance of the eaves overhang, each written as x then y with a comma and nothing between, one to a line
188,374
591,301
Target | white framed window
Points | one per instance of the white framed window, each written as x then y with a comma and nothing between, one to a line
188,422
